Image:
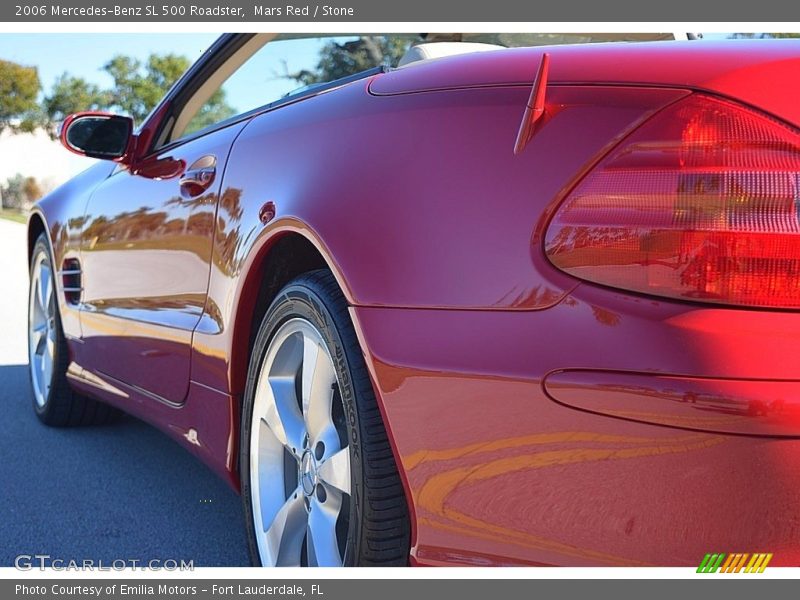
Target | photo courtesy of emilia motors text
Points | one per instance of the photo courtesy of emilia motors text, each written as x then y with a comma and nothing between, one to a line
509,290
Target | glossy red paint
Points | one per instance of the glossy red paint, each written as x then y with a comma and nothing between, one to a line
739,406
501,474
148,266
759,75
434,229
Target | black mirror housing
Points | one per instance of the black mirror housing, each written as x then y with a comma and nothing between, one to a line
98,135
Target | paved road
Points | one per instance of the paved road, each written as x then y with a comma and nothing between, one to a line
124,491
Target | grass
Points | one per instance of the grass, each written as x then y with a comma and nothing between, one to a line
13,215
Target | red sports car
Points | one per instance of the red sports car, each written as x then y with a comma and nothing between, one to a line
527,306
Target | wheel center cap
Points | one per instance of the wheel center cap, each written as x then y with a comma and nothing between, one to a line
308,473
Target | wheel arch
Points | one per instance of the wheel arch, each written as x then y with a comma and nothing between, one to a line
285,253
36,227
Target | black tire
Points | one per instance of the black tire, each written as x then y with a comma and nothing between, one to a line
63,407
379,527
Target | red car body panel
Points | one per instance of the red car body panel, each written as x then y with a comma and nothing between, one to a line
744,71
499,469
410,212
148,266
491,367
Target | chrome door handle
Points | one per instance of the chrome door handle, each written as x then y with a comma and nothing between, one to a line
199,177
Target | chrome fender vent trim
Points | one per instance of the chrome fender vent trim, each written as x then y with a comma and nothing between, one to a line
71,281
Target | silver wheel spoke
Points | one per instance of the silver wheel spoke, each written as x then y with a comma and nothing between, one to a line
335,471
319,379
285,534
311,352
322,544
330,442
47,371
270,452
38,335
42,334
42,291
283,415
48,299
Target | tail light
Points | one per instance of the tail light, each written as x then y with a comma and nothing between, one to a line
701,203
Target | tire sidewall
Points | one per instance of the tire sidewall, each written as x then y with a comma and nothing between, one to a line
299,300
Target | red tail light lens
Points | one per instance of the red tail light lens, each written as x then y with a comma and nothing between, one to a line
702,202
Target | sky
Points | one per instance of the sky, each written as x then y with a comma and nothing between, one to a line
83,55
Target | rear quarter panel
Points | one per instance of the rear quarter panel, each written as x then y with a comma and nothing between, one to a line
432,225
414,200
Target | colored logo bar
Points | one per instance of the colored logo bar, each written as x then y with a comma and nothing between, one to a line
734,563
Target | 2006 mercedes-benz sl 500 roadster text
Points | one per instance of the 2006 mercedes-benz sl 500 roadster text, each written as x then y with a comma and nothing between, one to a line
483,305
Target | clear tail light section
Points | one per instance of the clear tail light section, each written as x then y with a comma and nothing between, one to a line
700,203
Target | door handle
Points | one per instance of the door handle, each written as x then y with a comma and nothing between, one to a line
199,176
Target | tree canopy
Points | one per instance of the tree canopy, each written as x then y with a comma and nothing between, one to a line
70,95
137,86
19,92
340,59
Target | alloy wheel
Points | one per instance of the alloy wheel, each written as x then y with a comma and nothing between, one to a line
299,453
41,329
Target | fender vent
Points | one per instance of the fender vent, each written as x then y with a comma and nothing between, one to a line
71,280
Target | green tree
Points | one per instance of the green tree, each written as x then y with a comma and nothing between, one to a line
69,95
215,109
138,86
19,89
340,59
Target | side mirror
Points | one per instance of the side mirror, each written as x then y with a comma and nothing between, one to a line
98,135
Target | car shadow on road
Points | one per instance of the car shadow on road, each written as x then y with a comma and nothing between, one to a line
121,491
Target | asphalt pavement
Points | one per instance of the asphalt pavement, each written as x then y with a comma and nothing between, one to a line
123,491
